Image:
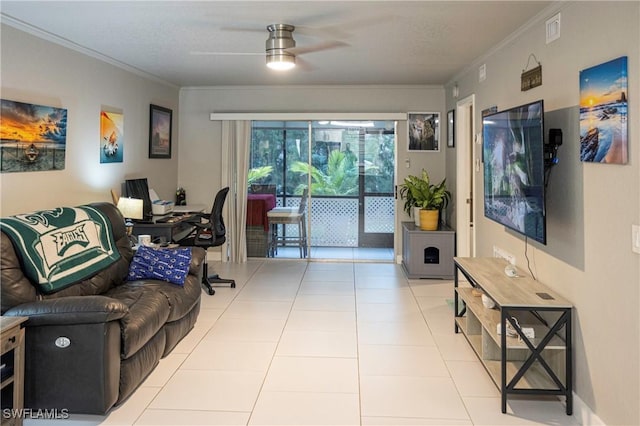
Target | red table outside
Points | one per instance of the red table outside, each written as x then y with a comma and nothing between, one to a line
257,207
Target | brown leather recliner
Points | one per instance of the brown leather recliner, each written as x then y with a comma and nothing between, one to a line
91,344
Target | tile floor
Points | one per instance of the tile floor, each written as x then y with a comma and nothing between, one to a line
300,343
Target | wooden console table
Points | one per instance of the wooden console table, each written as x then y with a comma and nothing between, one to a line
12,335
517,364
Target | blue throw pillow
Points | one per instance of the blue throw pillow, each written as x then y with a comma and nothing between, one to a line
171,265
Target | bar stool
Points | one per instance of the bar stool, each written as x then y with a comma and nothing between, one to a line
289,216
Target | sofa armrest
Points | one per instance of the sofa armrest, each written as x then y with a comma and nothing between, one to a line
198,256
71,310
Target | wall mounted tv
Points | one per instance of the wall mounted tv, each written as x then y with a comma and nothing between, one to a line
514,174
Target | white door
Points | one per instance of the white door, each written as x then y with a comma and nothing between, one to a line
465,154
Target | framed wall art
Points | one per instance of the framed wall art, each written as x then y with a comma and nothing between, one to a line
111,137
32,137
603,113
159,132
451,129
424,131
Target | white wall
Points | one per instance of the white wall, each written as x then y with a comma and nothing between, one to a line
40,72
598,273
199,169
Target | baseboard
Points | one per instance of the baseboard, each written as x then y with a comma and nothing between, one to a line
583,414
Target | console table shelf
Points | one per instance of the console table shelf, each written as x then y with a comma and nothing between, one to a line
12,337
541,365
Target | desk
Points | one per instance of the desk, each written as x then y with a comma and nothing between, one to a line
167,228
189,208
257,207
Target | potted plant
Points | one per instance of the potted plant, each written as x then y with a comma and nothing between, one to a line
418,191
257,174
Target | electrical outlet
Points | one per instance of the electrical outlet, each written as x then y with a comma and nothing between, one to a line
635,238
498,252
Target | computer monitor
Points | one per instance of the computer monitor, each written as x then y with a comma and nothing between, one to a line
139,188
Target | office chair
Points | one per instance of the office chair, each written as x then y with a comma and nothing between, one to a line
289,216
210,233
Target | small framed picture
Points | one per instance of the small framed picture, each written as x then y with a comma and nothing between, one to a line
424,131
451,129
159,132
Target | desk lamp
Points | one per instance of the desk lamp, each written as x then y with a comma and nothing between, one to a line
131,208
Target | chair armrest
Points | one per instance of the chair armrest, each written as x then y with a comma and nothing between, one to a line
71,310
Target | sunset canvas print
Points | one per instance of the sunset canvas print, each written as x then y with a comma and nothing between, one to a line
603,113
111,137
32,137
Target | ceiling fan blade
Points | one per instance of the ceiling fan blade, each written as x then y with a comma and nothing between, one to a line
303,65
327,45
245,29
200,53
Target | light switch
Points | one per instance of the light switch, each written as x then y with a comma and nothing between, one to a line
635,238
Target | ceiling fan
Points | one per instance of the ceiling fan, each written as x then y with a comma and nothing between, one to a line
281,51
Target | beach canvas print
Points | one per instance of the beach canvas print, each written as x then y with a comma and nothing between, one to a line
32,137
603,113
111,137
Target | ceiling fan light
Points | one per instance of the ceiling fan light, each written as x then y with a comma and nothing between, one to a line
281,62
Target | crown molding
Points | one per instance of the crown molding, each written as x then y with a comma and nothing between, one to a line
61,41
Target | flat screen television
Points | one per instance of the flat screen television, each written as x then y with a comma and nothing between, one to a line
139,188
514,175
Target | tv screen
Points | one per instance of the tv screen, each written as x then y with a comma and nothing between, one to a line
513,150
139,188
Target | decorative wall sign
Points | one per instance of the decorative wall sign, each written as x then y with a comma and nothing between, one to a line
603,113
159,132
111,137
32,137
424,131
533,77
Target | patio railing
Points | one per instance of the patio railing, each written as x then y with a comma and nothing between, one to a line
335,220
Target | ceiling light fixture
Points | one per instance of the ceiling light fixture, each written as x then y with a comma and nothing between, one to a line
280,39
281,61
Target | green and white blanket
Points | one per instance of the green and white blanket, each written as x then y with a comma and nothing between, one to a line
61,246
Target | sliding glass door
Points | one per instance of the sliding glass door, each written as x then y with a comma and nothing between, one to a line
349,168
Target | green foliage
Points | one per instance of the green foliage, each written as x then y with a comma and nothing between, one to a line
418,191
341,177
258,173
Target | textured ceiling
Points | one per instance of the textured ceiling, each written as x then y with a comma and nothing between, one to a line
387,42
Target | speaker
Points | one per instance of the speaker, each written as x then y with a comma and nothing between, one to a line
551,148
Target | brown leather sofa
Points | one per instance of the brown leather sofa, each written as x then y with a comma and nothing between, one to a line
91,344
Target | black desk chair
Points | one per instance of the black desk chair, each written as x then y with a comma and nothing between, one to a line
210,233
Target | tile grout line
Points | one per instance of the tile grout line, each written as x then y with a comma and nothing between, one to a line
277,344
